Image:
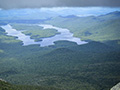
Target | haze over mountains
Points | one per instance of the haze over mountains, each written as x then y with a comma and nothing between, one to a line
65,65
98,28
45,13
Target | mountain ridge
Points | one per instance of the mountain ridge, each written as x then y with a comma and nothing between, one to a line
96,28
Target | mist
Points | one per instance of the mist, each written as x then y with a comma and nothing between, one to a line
10,4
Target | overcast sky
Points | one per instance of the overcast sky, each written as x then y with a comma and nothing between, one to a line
10,4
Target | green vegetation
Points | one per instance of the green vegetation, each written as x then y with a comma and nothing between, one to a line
25,26
7,86
65,65
101,28
7,39
1,51
36,32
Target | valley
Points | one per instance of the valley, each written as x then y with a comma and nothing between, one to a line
96,28
69,63
64,34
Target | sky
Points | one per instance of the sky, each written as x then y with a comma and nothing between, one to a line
11,4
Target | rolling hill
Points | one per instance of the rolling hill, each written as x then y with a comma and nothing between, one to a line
96,28
65,65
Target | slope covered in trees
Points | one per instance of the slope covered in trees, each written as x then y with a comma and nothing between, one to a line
97,28
7,86
65,65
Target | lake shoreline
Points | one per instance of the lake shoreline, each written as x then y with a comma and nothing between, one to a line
64,34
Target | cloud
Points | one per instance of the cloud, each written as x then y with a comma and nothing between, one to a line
10,4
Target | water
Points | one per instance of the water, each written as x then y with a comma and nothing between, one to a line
65,34
20,36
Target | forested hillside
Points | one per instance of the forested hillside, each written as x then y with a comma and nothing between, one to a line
65,65
97,28
7,86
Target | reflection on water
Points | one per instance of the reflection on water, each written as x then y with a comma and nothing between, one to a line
64,35
13,32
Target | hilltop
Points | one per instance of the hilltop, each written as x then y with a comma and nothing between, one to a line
97,28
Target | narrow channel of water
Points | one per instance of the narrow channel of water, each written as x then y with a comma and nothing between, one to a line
65,34
20,36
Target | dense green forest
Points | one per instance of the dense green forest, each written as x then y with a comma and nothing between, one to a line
36,32
7,86
97,28
65,65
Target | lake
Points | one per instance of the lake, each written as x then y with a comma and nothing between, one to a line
65,34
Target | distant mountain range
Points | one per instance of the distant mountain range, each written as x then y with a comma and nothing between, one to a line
45,13
65,65
97,28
